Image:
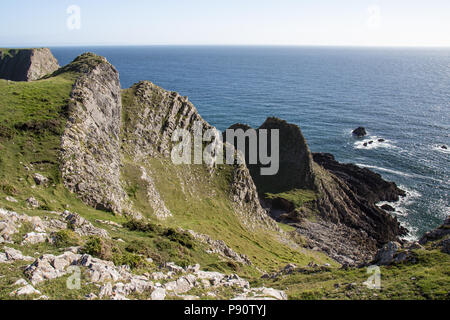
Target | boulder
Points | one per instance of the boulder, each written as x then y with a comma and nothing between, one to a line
158,294
385,255
15,255
82,226
11,199
360,132
444,147
39,179
33,202
26,290
21,282
49,267
35,237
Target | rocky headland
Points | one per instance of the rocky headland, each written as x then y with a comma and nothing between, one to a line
88,183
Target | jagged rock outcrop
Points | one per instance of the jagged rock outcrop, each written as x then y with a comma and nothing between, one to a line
362,181
26,64
341,221
394,252
151,115
439,236
90,146
118,282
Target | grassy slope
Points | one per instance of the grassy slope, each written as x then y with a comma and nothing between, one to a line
428,279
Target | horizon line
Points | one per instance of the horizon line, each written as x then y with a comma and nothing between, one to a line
232,45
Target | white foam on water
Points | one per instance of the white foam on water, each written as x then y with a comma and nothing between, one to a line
439,149
402,211
399,173
360,144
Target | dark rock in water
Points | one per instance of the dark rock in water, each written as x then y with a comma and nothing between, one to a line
360,132
387,207
381,140
26,64
365,144
444,147
370,142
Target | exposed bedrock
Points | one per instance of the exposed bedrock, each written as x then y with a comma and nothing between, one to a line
364,182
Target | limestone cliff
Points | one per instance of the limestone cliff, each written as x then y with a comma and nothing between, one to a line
90,156
26,64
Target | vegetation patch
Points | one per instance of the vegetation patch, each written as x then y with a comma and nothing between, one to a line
298,197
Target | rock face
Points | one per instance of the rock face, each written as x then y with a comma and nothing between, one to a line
295,170
26,64
347,225
151,116
362,181
439,236
90,157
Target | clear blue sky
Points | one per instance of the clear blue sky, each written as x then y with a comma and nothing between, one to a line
230,22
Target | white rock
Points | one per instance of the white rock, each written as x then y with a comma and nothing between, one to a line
21,282
158,294
26,290
34,237
181,285
11,199
15,255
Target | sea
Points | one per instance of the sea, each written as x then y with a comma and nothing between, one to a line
400,95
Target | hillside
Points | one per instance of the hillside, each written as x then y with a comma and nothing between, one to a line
86,181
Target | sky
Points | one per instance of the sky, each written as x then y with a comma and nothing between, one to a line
26,23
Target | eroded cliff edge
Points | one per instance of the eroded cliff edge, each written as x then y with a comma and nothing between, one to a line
331,205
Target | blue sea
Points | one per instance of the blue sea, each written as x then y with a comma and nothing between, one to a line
400,95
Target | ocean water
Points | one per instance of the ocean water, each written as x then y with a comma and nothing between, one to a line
400,95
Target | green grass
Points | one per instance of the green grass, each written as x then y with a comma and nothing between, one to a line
427,279
202,203
298,197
